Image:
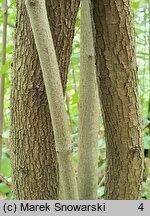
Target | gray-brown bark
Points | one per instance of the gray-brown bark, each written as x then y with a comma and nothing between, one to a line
50,70
34,162
88,110
117,81
62,17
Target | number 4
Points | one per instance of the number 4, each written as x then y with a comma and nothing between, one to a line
141,207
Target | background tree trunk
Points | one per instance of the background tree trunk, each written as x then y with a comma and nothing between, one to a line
88,111
117,81
34,162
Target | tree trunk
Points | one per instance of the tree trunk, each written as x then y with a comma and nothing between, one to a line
34,162
50,70
62,17
117,81
88,111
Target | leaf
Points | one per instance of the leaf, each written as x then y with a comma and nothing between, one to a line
6,134
9,196
6,168
5,68
75,158
100,191
148,183
148,195
75,98
136,4
139,31
102,168
146,142
4,188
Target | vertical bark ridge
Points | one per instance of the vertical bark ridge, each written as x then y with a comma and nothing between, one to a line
117,80
34,161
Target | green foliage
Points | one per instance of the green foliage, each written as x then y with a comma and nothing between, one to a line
142,33
6,69
141,18
146,189
6,169
4,189
147,142
100,191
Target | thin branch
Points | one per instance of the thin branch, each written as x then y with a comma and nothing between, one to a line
5,181
2,78
146,126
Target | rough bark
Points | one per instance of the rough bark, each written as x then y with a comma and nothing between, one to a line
34,162
50,70
117,81
88,110
62,17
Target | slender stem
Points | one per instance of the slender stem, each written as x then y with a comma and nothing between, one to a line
5,181
43,38
88,110
68,111
74,80
149,58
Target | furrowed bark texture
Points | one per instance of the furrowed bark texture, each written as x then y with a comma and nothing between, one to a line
34,162
117,81
62,17
88,110
50,70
